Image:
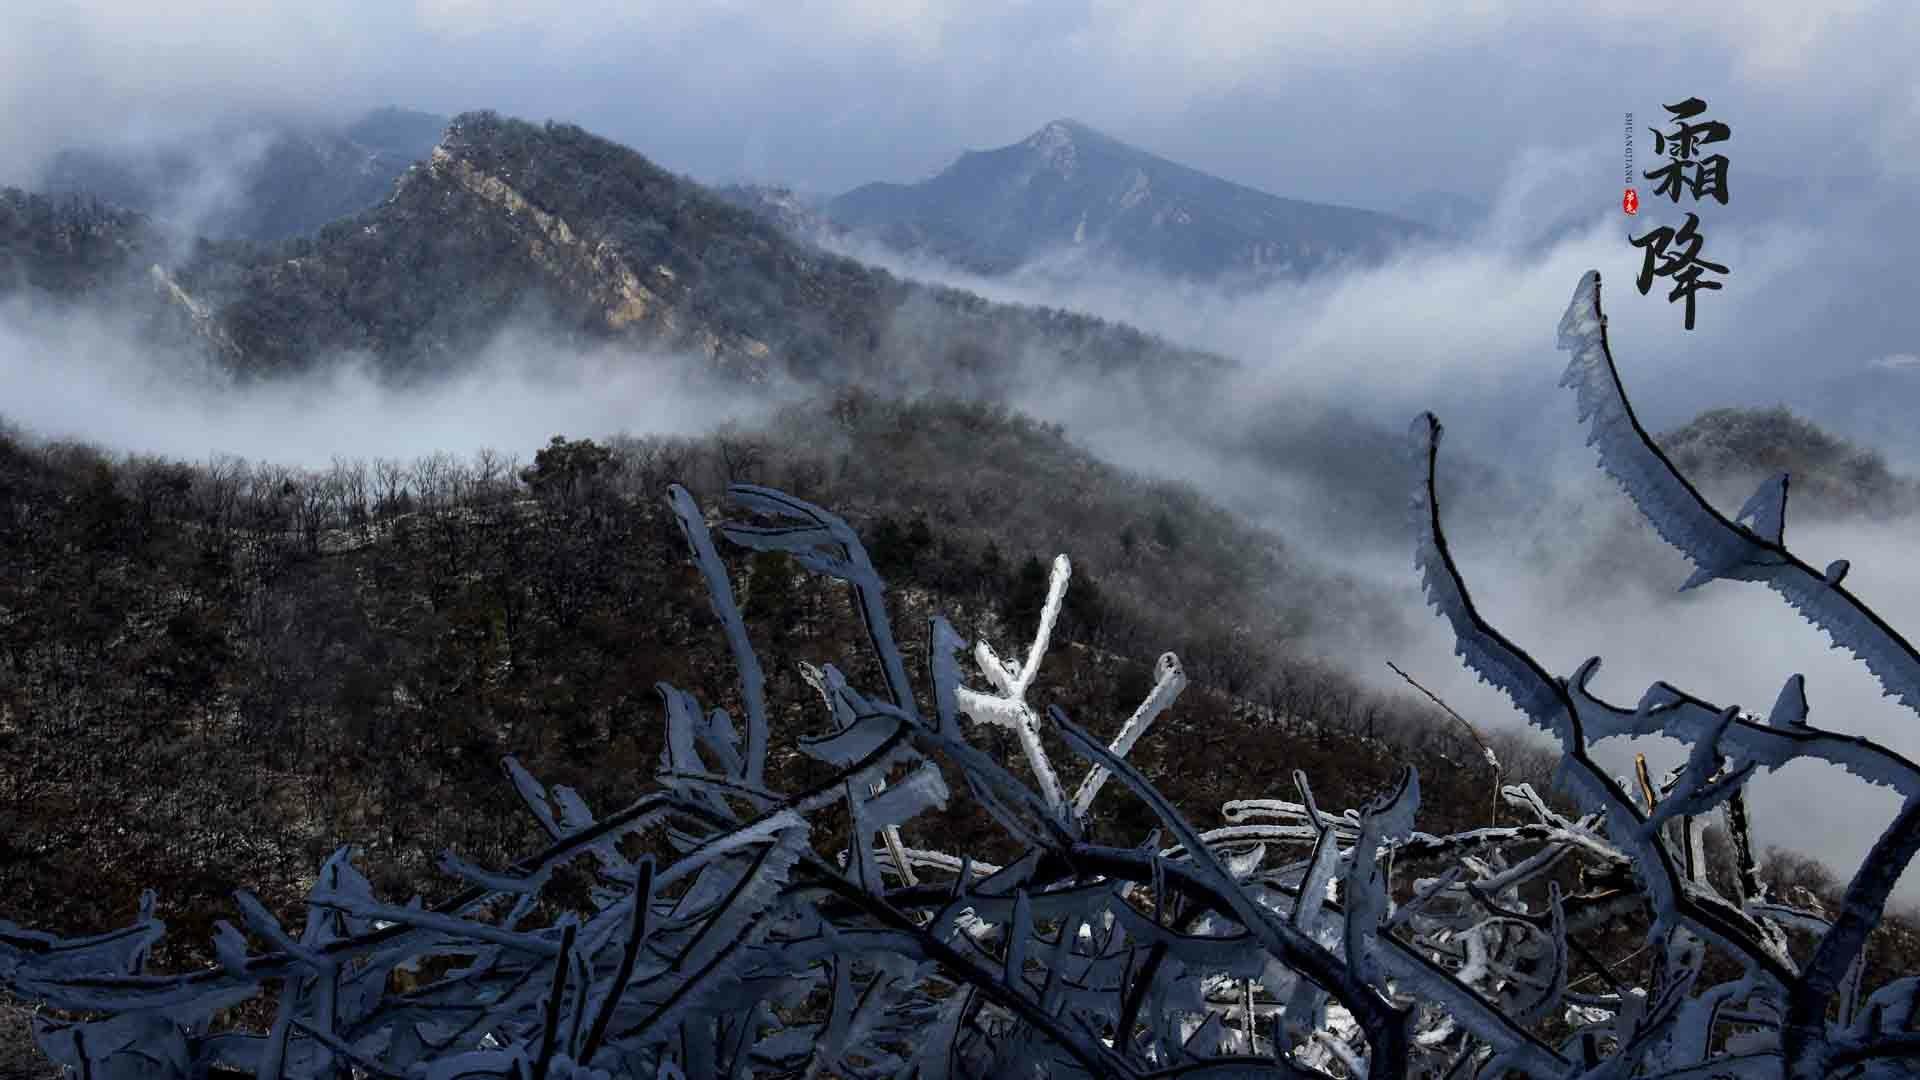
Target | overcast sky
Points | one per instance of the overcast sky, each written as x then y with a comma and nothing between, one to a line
1327,99
1347,101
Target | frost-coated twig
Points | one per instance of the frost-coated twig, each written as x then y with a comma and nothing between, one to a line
1493,760
1169,681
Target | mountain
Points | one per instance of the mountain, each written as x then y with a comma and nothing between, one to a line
1730,451
508,223
260,178
1070,188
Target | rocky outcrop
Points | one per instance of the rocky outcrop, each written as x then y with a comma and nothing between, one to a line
201,319
555,245
638,303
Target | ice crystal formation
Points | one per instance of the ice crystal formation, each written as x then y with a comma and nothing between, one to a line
1293,941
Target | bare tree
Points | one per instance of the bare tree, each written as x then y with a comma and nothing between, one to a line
389,486
217,498
741,455
315,497
490,474
353,487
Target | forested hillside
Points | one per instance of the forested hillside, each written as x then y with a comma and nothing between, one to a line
305,660
222,673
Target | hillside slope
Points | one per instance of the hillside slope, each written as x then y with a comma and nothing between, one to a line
286,662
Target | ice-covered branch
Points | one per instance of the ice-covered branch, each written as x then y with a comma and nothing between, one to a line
1008,707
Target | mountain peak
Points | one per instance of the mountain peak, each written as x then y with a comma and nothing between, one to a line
1059,142
1064,129
1054,146
1068,188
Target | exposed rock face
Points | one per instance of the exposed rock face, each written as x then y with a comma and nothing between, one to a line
560,251
1069,187
200,318
497,226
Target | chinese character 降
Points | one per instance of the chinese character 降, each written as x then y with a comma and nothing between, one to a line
1684,267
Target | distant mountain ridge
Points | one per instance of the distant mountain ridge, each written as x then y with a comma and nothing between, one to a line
259,178
510,224
1068,187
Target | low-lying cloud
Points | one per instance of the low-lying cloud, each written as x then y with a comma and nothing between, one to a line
86,377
